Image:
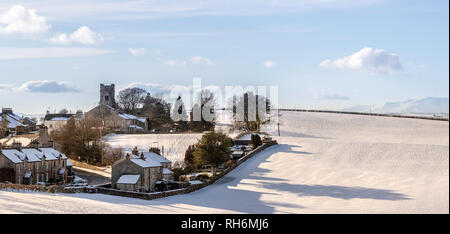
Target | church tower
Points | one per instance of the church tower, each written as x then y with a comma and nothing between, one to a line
107,95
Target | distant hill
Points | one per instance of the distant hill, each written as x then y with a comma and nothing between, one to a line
429,105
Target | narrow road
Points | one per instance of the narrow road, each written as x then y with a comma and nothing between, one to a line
92,178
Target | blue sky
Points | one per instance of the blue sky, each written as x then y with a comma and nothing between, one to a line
322,54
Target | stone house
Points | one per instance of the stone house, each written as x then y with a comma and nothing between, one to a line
140,171
31,165
112,118
116,121
13,123
55,122
39,138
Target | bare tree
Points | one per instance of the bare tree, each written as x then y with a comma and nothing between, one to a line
250,112
131,99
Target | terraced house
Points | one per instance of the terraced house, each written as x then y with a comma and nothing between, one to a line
31,165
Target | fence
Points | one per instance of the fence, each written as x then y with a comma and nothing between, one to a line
372,114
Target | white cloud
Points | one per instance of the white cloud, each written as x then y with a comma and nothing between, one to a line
132,10
40,86
176,63
201,60
374,61
83,35
269,63
8,53
321,94
20,20
196,60
137,51
6,87
47,86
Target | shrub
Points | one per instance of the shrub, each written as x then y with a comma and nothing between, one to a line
202,177
256,141
229,163
213,150
55,189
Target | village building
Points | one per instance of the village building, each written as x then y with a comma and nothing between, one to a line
113,119
140,171
33,165
39,138
11,123
56,121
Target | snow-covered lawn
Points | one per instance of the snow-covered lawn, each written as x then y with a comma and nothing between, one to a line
325,163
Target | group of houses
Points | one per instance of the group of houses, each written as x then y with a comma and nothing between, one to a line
34,165
11,123
112,119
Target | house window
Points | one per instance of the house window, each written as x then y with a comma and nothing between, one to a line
106,98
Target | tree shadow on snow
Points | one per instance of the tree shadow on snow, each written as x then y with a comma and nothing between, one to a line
342,192
229,193
285,133
291,149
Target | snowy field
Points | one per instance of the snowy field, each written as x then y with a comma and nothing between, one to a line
325,163
175,145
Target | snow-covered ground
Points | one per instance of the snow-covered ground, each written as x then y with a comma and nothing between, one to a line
175,145
325,163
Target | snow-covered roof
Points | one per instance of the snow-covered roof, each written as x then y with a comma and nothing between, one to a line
136,127
19,139
13,121
34,154
61,171
58,116
167,171
155,157
195,182
128,179
248,137
145,163
128,116
69,163
13,155
31,154
52,153
59,119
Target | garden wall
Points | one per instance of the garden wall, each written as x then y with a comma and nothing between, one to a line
189,189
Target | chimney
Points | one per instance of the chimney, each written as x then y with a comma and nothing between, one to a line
135,151
34,144
17,145
142,156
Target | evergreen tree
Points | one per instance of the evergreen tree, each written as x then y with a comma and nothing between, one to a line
256,141
213,149
189,159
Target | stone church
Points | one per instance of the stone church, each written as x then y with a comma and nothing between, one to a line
113,119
